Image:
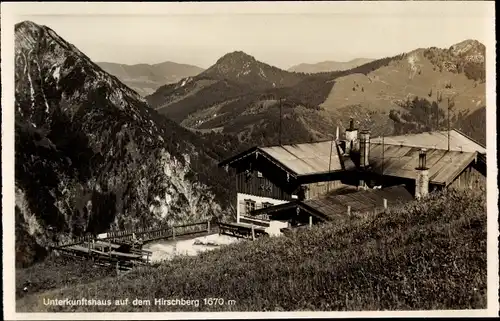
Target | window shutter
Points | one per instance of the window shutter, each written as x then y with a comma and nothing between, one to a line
242,207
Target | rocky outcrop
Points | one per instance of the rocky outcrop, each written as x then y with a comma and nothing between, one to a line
90,153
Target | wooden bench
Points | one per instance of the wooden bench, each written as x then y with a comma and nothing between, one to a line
241,230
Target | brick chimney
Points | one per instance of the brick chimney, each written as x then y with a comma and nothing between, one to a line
351,136
422,180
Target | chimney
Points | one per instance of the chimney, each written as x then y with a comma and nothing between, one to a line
351,135
364,149
422,180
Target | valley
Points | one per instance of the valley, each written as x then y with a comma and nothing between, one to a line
233,95
145,79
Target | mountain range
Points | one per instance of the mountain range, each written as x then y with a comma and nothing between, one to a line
326,66
146,79
410,92
92,155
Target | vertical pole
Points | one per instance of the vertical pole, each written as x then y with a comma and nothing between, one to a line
310,221
329,166
385,203
437,119
208,227
348,210
280,122
448,123
253,233
383,155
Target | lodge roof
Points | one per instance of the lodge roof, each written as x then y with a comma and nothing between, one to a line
299,159
436,140
401,161
398,157
330,207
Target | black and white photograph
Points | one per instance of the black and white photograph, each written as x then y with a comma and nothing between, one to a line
253,158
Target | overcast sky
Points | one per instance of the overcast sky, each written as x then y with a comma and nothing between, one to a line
281,35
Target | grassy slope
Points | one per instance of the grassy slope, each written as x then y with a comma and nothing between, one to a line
383,88
426,255
57,272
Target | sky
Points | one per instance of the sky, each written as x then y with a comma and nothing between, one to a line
283,35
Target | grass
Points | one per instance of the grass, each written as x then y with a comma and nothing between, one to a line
57,272
425,255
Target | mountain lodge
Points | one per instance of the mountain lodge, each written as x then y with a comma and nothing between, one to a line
356,173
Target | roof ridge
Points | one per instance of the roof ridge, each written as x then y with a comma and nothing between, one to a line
305,143
468,137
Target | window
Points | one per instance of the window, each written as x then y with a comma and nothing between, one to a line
263,217
249,206
259,174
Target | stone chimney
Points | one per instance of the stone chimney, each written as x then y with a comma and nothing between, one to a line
364,149
422,180
351,136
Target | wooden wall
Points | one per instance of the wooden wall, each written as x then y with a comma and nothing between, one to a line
259,186
316,190
470,178
271,183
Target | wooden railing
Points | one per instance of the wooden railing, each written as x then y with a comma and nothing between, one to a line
142,234
254,220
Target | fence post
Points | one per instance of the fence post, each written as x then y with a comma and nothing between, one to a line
348,210
310,221
208,227
253,233
385,203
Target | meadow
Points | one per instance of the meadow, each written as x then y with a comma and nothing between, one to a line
428,254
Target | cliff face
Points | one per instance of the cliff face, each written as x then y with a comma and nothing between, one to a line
90,153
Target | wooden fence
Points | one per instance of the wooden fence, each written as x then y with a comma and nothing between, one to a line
143,234
254,221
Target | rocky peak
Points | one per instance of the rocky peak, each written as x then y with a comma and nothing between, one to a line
90,153
243,68
236,58
465,57
471,50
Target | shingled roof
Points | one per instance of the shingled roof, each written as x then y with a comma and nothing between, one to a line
436,140
398,157
298,159
401,161
329,208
